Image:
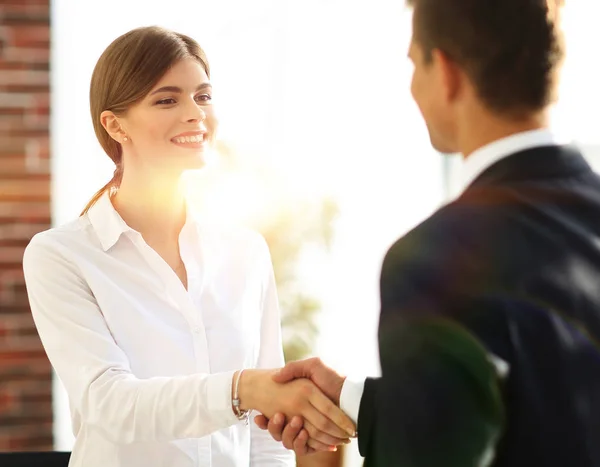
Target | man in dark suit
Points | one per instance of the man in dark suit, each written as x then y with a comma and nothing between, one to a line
490,309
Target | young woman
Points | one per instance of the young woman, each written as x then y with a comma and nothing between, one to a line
150,316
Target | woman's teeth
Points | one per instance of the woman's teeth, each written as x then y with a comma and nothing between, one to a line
189,139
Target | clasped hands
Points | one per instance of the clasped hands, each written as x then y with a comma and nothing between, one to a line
299,406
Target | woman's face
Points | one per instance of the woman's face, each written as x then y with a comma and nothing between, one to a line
171,129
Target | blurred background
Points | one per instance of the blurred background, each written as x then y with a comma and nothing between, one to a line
321,149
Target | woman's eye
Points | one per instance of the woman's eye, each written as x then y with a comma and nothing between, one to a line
204,97
166,101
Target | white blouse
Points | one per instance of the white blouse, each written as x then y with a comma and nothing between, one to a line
146,364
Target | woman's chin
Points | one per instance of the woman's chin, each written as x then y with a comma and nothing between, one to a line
197,164
194,161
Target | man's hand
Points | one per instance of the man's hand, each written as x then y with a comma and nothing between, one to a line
293,435
326,379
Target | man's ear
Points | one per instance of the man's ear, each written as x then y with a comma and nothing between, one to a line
449,74
113,127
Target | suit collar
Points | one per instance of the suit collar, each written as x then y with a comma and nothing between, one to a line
486,156
534,164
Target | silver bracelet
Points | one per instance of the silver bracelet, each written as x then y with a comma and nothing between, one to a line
239,413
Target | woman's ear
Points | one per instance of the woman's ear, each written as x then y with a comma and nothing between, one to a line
111,124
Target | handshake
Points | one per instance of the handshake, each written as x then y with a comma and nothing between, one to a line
298,405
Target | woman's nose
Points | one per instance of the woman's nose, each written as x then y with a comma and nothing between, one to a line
196,114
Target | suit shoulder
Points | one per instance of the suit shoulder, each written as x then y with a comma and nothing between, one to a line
452,231
446,223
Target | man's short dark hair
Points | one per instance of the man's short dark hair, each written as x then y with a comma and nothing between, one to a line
510,49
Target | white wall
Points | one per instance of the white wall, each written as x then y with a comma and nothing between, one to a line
320,88
579,102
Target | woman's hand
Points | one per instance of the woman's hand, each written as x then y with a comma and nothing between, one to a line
323,420
291,434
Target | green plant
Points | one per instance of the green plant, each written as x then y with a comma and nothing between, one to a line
301,225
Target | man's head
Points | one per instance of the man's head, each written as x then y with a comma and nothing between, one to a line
494,58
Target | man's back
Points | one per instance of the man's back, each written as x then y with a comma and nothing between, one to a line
516,261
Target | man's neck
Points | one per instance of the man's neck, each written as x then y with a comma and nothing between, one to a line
481,130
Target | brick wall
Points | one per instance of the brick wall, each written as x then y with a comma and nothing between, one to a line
25,375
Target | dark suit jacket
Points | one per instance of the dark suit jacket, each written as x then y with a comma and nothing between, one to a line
510,269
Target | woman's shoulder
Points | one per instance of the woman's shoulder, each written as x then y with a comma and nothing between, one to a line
65,232
62,237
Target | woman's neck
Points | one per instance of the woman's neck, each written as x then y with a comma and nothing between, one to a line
155,206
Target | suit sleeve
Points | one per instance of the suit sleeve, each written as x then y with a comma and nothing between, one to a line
438,401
